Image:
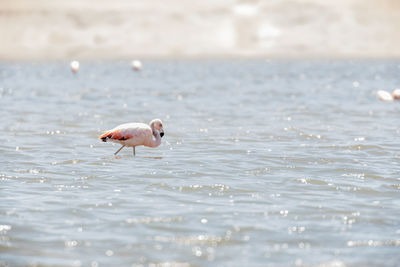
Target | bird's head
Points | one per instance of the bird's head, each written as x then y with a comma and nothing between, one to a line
157,124
396,94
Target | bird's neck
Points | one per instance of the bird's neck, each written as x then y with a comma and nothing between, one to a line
156,141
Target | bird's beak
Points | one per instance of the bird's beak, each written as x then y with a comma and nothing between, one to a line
162,134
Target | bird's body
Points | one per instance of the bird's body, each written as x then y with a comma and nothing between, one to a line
384,96
131,134
74,66
135,134
136,65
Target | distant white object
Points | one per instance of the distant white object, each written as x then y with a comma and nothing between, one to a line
384,96
74,66
136,65
396,94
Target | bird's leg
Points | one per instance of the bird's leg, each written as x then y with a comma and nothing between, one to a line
134,153
119,149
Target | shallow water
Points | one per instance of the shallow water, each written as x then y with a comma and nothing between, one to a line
263,163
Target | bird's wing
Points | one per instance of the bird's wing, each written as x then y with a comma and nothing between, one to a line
127,131
116,135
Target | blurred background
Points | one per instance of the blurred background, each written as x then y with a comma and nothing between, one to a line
100,29
265,162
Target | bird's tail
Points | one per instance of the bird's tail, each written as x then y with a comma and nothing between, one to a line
105,136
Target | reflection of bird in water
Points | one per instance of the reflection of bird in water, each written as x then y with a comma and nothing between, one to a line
135,134
386,96
74,66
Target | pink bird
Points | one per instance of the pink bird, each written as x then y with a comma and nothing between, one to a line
135,134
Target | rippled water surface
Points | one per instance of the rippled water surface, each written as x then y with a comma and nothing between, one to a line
263,163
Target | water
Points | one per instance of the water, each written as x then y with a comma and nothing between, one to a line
264,163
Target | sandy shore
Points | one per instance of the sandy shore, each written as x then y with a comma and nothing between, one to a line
100,29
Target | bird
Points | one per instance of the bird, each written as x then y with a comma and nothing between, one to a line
384,96
74,66
135,134
136,65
